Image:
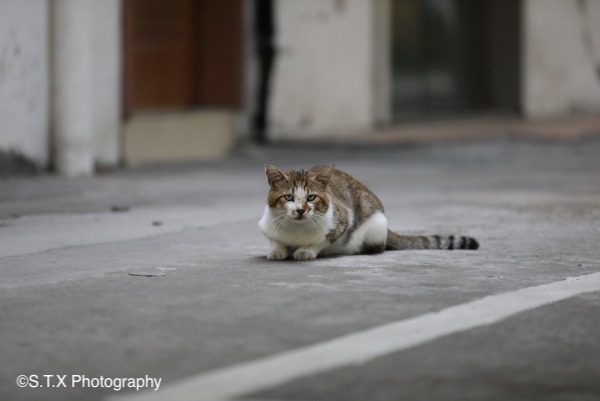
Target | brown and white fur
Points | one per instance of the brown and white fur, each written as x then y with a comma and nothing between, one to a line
324,211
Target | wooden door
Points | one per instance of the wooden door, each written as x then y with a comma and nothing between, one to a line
182,53
219,52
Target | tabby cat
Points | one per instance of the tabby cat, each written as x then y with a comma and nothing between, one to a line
324,211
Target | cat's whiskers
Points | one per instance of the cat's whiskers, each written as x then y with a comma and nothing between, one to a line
280,221
278,218
276,221
314,221
320,219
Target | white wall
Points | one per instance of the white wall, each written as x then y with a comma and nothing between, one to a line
27,90
24,79
323,77
561,57
86,86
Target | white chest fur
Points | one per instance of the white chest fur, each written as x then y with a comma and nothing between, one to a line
294,234
308,234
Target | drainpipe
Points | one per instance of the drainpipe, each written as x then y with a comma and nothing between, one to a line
264,30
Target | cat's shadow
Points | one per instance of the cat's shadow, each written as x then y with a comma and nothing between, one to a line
263,258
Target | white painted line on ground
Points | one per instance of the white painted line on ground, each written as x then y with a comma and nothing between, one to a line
356,348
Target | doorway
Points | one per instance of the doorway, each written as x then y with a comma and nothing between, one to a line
183,64
454,58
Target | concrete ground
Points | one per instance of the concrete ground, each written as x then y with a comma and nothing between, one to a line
161,272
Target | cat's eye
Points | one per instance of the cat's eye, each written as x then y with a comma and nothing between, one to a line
311,197
288,197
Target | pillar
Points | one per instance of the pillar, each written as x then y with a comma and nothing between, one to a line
71,95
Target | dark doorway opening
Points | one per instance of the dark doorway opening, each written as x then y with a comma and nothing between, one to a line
454,57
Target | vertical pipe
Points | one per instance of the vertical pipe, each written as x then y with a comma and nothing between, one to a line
264,37
71,97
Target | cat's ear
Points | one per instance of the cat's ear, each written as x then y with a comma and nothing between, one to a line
274,175
323,175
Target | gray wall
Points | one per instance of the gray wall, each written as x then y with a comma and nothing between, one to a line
24,80
561,57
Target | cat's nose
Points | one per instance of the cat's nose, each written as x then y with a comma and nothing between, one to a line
300,211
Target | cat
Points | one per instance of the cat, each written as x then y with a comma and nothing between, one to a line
324,211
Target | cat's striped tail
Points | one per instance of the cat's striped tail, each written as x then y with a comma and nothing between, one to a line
396,242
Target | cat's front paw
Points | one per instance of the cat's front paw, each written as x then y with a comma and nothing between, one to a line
278,254
305,254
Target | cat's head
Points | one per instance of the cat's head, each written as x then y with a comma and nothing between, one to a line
299,194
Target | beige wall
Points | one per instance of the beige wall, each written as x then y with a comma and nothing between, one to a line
324,75
167,137
561,57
